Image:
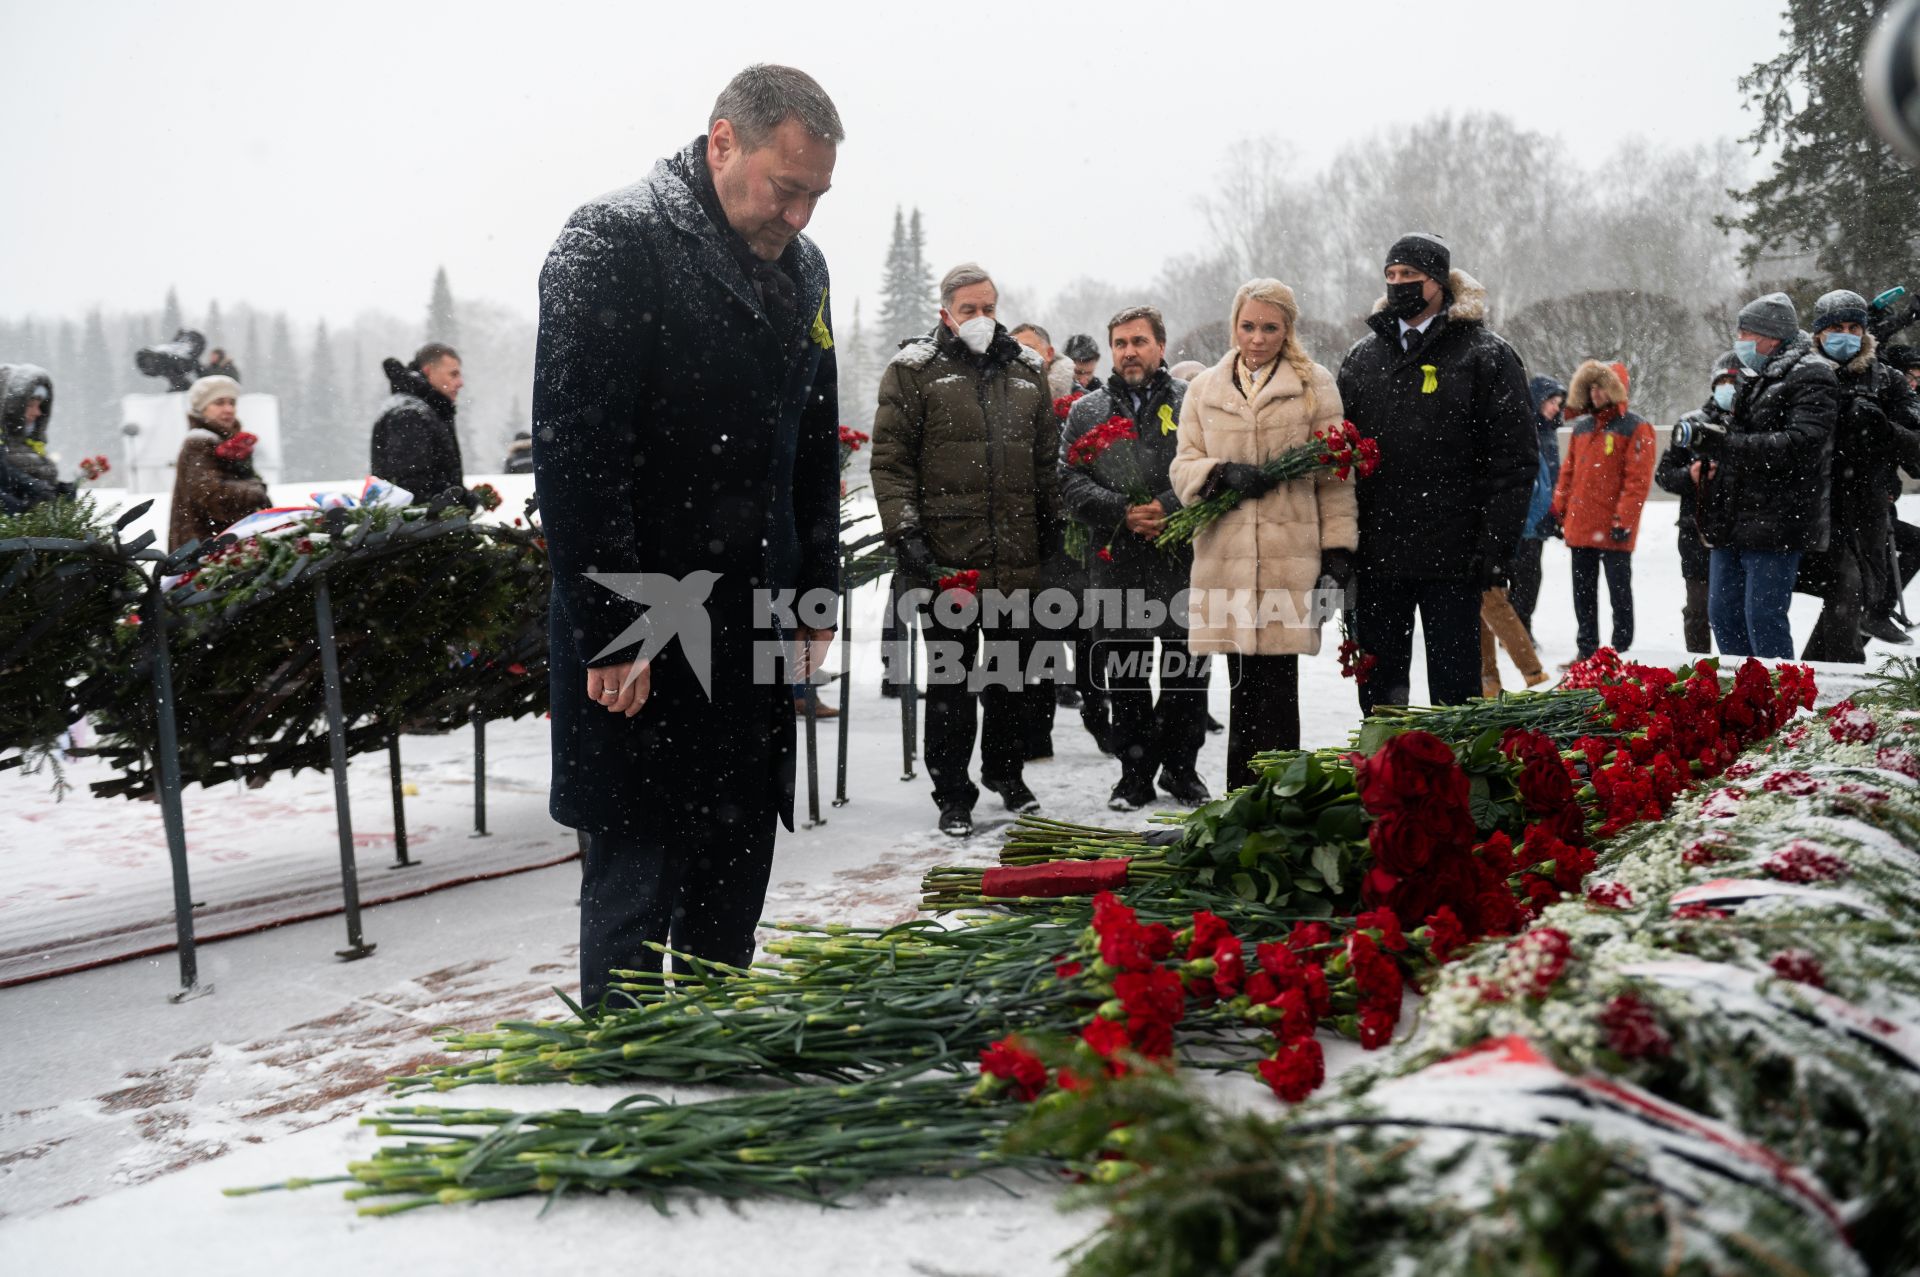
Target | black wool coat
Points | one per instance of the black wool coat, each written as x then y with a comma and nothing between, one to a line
1769,490
414,442
1458,450
678,428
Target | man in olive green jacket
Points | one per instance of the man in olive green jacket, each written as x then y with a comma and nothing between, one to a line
964,446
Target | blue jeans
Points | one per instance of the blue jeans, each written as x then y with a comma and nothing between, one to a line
1747,596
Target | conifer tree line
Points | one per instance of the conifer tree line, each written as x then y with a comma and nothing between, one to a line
1639,252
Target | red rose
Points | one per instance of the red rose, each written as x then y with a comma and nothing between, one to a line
1633,1032
1412,771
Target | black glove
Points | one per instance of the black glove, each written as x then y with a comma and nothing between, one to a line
1337,565
1488,573
1550,528
1249,481
913,559
1620,535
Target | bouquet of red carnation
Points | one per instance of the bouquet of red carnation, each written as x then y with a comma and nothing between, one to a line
486,495
850,443
1064,404
966,581
237,448
92,468
1355,662
1339,449
1106,441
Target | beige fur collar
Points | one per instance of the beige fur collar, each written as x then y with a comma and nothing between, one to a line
1580,391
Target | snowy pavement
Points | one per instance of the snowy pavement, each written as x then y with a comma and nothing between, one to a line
126,1114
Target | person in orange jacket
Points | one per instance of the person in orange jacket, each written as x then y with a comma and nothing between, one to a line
1597,501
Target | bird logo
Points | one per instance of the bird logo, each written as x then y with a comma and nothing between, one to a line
676,606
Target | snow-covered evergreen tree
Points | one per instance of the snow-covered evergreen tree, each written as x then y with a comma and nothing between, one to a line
170,315
442,326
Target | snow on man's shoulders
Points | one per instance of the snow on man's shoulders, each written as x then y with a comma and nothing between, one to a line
917,353
1031,360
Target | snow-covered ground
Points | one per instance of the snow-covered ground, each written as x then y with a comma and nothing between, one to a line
126,1113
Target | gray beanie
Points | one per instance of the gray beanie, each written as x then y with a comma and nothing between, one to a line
1727,363
1841,306
1770,316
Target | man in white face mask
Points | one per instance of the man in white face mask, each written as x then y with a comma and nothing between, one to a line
963,470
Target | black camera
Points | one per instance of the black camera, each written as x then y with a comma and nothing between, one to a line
1699,434
177,360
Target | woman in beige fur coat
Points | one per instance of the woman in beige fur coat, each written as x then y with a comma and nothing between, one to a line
1255,569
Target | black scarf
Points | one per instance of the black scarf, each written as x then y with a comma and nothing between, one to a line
773,286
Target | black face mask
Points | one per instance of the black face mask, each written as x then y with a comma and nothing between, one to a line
1404,301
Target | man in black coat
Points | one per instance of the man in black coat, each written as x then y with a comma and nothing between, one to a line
414,443
1446,398
686,451
1101,494
1764,502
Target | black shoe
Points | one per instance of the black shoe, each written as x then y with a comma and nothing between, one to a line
1883,628
1185,786
956,821
1014,793
1131,794
1215,726
1065,697
890,690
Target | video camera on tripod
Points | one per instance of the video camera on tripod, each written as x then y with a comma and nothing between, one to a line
177,360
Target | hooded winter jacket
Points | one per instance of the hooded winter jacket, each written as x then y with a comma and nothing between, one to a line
1768,490
965,454
1541,388
1611,453
1674,473
414,442
28,476
1458,453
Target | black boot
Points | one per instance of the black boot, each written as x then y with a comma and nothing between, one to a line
1883,628
1184,785
1131,794
1013,792
956,821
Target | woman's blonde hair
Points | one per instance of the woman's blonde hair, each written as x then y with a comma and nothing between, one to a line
1279,296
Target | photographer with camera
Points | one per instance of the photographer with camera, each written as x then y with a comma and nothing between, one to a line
1681,473
1763,498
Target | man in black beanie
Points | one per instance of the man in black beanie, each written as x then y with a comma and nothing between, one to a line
1446,399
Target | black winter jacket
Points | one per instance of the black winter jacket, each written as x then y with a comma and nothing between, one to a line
1768,490
414,442
681,427
1458,451
1098,497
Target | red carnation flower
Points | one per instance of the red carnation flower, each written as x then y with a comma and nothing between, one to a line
237,448
1105,1037
1016,1066
1443,933
1799,966
1803,862
1633,1032
1376,1028
1295,1069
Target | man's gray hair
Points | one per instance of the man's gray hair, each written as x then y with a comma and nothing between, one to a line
765,95
1036,330
965,275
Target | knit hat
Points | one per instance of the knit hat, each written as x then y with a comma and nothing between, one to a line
1770,316
1425,252
1840,306
208,389
1081,348
1727,363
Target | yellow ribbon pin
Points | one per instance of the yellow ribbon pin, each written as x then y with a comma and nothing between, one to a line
821,335
1429,379
1609,447
1167,424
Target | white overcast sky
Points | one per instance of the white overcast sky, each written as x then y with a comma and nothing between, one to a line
323,158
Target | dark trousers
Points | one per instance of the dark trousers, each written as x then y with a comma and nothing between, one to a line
1587,564
1149,735
1906,561
1523,580
1449,613
1836,635
1263,710
698,889
955,708
1694,622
